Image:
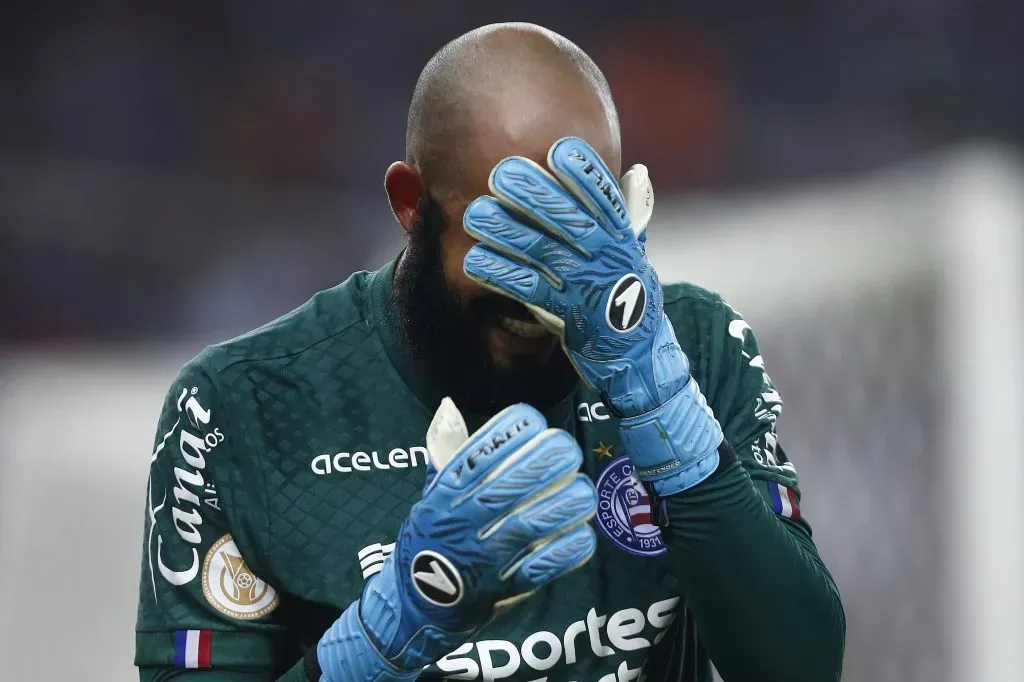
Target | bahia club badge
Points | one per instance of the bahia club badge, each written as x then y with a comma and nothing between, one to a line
624,511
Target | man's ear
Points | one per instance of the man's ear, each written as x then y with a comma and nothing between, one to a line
404,186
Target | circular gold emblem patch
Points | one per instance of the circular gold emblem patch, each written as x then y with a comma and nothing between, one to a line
231,587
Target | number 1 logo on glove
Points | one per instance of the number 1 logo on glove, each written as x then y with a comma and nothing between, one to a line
626,304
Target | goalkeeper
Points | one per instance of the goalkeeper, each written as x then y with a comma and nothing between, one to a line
509,454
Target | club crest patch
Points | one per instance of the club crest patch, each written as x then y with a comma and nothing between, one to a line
624,511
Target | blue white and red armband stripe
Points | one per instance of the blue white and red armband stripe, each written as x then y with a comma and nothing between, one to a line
192,648
784,502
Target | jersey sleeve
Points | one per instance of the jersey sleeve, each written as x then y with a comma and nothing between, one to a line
765,604
203,610
748,405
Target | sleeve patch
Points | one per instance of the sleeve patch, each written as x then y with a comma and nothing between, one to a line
231,587
192,648
784,501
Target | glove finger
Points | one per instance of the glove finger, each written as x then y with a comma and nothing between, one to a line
551,458
554,559
639,195
502,436
446,434
584,174
519,533
519,282
486,220
532,191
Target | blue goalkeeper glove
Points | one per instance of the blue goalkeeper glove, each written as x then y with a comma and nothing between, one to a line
568,245
503,513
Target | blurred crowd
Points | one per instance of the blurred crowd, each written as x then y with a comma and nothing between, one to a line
192,169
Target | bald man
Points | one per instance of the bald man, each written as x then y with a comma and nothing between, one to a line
509,454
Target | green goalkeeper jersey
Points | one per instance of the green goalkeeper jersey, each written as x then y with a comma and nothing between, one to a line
286,460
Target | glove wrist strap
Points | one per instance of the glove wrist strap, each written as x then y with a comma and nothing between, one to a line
674,446
346,653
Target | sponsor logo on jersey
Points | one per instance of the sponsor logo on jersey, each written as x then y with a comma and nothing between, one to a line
624,511
626,304
231,587
767,406
592,412
372,558
196,439
382,460
626,630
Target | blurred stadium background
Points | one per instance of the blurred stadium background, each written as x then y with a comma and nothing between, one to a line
847,173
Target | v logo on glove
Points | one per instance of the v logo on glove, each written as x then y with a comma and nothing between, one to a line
437,578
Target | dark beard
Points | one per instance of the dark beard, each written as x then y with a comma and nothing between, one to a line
446,334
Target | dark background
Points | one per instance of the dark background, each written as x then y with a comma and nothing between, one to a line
193,169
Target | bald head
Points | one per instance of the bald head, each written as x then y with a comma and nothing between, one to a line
500,90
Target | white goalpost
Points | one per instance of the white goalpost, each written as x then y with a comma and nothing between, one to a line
984,340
